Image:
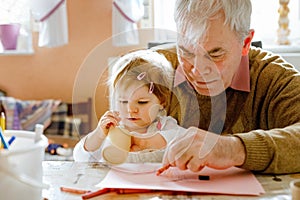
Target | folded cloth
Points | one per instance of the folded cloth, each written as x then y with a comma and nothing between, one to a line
125,15
25,114
54,30
42,9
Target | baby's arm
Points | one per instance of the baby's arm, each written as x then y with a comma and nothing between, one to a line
155,142
169,129
95,138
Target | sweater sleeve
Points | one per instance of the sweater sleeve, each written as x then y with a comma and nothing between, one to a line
272,151
170,129
273,138
81,155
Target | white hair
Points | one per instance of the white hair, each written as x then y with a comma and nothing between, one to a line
192,16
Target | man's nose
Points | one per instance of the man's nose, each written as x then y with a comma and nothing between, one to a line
201,66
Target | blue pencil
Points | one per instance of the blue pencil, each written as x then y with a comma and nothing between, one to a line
5,145
11,140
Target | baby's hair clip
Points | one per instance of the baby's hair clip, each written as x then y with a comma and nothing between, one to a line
151,88
141,76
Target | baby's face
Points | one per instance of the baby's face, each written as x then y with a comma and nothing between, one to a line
138,106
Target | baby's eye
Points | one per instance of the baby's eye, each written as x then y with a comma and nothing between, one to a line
143,102
123,101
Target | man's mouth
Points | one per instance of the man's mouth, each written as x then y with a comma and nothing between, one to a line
205,82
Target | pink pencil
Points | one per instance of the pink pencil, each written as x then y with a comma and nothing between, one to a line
96,193
161,170
75,191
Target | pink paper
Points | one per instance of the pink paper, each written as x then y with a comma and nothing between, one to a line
232,181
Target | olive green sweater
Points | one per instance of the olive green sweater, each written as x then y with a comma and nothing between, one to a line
266,119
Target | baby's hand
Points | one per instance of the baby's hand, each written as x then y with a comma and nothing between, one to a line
109,119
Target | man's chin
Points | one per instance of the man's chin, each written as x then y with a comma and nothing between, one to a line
213,88
210,92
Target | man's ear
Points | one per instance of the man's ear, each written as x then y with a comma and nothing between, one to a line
247,42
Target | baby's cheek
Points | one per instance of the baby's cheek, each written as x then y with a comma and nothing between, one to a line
153,111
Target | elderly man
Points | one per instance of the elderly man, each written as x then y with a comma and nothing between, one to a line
243,100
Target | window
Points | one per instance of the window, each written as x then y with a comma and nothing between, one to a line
16,12
264,20
159,15
163,20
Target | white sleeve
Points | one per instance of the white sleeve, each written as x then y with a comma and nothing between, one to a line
81,155
170,129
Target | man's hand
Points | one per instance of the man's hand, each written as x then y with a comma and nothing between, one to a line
197,148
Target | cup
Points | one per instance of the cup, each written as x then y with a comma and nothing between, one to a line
295,189
117,146
9,35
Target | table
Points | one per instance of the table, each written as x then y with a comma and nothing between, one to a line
87,175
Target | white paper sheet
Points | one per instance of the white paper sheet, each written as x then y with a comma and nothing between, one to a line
232,181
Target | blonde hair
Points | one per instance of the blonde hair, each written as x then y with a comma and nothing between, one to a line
147,66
